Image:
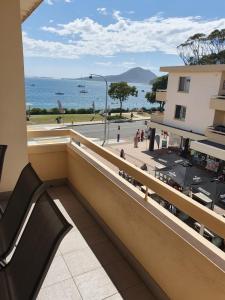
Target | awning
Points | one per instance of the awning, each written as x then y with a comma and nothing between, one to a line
169,159
185,176
27,7
210,148
180,132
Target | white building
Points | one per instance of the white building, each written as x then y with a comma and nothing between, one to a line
195,107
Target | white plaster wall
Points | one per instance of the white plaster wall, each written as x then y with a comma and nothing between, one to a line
198,114
12,99
222,90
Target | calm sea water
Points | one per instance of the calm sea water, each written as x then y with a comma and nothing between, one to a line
40,92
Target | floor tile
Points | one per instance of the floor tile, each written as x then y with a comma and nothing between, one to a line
117,296
95,285
57,272
81,261
73,241
65,290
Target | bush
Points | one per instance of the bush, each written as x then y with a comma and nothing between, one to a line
54,111
115,117
35,111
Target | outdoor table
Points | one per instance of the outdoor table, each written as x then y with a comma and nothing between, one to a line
202,198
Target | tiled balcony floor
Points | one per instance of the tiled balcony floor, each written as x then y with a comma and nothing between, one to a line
87,265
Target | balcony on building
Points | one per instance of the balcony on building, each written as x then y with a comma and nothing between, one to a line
161,95
216,132
154,243
218,102
124,244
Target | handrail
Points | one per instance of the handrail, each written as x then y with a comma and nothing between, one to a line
209,218
161,91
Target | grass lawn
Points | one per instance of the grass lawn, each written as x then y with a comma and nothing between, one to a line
51,119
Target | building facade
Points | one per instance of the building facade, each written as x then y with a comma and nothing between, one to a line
194,108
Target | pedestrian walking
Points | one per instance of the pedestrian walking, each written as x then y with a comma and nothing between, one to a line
138,135
136,141
142,135
118,134
122,154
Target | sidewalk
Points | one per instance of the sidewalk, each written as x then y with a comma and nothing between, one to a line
137,156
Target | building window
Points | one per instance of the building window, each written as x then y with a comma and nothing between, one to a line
184,84
180,112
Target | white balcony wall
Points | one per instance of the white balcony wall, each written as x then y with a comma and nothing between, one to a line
12,99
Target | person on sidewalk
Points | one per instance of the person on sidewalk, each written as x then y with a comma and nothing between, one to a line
122,154
118,134
138,135
144,167
142,135
136,141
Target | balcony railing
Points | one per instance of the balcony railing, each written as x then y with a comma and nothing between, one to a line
161,95
218,102
145,228
215,135
210,219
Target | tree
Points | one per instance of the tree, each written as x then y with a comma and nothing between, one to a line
121,91
160,83
201,49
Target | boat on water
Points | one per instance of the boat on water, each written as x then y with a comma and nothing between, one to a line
83,92
59,93
32,84
81,86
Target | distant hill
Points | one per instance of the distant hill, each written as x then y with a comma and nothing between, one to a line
134,75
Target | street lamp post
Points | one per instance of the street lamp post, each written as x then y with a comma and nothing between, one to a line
106,103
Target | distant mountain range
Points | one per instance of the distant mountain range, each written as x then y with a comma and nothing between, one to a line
134,75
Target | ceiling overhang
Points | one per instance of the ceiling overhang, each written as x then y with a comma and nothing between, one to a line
27,7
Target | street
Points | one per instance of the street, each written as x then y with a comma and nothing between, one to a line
127,130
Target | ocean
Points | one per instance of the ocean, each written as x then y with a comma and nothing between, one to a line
41,92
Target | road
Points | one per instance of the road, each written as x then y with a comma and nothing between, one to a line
127,130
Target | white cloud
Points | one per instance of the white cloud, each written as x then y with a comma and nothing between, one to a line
117,15
130,12
51,2
51,21
87,37
104,63
102,11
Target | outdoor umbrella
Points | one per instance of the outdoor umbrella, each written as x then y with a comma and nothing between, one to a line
170,159
186,176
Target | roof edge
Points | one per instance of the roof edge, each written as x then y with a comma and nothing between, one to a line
30,11
194,68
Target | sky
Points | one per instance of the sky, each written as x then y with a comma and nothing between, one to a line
73,38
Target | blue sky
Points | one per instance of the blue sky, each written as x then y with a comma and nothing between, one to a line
73,38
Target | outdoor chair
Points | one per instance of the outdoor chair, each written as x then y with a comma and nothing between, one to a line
2,156
26,191
22,278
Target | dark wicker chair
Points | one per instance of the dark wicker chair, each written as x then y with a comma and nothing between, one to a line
27,189
22,278
2,156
